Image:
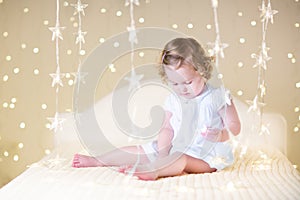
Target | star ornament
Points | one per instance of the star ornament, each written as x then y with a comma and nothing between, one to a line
56,32
56,122
57,77
134,80
79,7
255,105
132,34
79,77
218,48
128,2
80,37
267,13
264,129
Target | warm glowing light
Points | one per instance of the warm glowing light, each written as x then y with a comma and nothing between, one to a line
297,109
72,19
297,25
46,22
66,3
290,55
5,153
5,78
69,52
44,106
103,10
101,40
36,71
48,125
5,105
16,158
298,85
12,106
8,58
35,50
75,24
26,10
68,75
141,54
82,52
5,34
296,129
175,26
253,23
240,93
208,26
190,25
220,76
22,125
240,14
47,151
23,46
141,20
70,82
242,40
119,13
20,145
293,60
240,64
116,44
16,70
13,100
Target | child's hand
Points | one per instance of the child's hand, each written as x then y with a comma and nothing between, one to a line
212,134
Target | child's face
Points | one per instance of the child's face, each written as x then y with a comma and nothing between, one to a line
185,80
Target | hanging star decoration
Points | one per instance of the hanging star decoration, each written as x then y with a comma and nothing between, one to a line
267,13
56,32
263,89
56,122
128,2
255,105
132,34
262,58
79,76
80,37
134,80
217,48
264,129
79,8
57,77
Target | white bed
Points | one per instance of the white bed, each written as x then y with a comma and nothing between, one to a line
260,171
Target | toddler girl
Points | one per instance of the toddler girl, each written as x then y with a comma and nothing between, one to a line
198,121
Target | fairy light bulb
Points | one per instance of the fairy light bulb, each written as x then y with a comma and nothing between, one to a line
5,78
16,158
5,153
103,10
175,26
141,20
208,26
119,13
20,145
44,106
36,71
101,40
22,125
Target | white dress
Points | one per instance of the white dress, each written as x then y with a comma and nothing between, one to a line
189,119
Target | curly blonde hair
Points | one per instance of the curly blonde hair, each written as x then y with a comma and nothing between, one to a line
186,51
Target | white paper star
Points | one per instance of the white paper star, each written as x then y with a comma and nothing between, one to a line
255,105
56,32
267,13
264,129
80,37
57,76
79,7
262,58
132,34
128,2
56,122
79,76
134,80
218,48
263,89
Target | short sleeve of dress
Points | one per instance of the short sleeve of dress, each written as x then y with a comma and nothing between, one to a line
219,98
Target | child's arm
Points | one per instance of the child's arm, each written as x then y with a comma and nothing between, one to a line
165,136
231,121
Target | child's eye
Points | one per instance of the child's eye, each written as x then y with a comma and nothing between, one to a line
188,83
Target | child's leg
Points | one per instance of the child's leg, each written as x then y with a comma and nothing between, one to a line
123,156
173,165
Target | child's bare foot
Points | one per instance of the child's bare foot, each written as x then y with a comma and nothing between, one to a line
146,173
85,161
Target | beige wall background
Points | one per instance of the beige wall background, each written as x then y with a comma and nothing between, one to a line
27,57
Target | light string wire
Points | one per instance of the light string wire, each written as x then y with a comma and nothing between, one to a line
134,78
217,52
56,122
262,58
79,76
